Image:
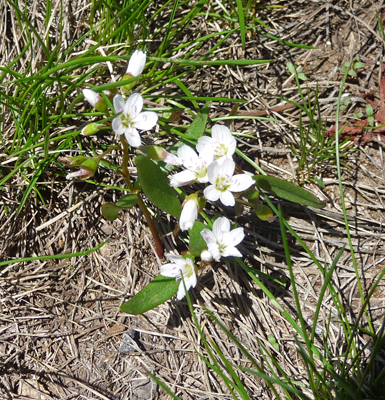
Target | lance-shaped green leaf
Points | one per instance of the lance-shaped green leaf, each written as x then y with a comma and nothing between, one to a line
197,243
156,186
287,191
111,211
198,126
156,292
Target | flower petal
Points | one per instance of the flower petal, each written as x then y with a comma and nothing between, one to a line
231,251
213,248
227,168
178,260
146,120
181,291
119,103
227,198
133,137
213,170
117,126
211,193
133,106
208,236
170,270
203,143
234,237
240,182
182,178
221,227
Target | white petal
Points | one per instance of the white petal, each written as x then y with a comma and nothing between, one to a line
117,126
133,106
180,261
227,168
172,159
208,236
213,248
221,226
221,134
234,237
211,193
227,198
136,63
119,103
170,270
181,292
133,137
146,120
231,252
213,171
188,155
193,280
203,143
240,182
182,178
91,96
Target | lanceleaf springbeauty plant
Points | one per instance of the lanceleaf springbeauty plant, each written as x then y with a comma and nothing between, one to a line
203,163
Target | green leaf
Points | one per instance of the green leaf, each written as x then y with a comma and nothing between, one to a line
197,243
287,191
352,73
263,212
127,201
156,292
156,186
198,126
110,211
369,110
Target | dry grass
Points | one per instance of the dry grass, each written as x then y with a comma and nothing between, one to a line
61,333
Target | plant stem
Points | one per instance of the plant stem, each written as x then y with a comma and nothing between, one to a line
151,225
126,177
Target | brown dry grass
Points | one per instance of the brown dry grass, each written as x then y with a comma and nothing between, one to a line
61,332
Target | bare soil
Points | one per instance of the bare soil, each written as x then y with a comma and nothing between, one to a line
62,335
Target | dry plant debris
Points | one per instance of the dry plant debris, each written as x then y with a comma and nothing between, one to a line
61,333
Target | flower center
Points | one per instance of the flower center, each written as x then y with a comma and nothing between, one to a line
220,150
187,271
222,183
201,170
126,120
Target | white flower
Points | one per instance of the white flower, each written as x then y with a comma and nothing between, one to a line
221,241
176,269
221,141
132,118
223,182
136,63
189,213
196,166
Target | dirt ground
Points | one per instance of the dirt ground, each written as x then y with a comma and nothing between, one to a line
62,335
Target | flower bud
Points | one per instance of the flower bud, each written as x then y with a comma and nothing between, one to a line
95,100
158,153
87,166
137,63
206,256
91,129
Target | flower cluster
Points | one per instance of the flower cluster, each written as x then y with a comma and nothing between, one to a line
210,164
